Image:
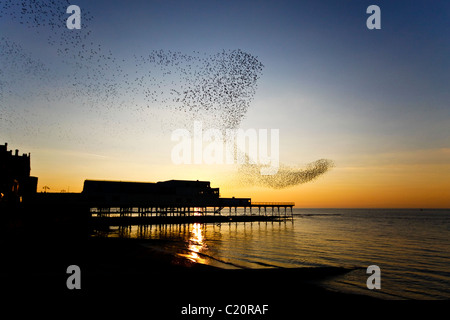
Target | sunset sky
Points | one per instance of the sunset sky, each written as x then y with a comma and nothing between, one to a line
375,102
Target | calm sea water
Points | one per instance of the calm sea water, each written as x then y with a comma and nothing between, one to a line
411,247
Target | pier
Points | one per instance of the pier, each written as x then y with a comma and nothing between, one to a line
174,201
123,202
257,211
116,203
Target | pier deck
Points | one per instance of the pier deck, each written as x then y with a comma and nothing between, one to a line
210,213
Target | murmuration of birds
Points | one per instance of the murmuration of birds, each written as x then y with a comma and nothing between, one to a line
215,88
286,177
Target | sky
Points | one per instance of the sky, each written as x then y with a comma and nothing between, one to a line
103,102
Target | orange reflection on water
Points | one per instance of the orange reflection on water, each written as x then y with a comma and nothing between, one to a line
196,244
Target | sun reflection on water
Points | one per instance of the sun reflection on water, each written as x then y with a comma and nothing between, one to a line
196,244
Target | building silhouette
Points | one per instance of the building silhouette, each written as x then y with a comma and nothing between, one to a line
16,184
171,193
175,198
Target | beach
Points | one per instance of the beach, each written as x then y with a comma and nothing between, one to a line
131,273
122,278
126,272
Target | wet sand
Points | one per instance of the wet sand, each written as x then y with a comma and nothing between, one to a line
112,269
122,275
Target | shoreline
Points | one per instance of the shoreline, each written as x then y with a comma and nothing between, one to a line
122,275
115,267
119,274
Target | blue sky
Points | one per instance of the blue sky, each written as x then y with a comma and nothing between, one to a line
334,88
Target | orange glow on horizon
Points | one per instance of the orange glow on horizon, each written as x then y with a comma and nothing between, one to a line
423,182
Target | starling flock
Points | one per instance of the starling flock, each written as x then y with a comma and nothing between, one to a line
214,88
249,175
181,87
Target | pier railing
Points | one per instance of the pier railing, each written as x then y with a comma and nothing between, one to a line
208,212
273,203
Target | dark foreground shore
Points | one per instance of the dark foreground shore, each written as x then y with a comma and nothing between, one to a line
35,268
122,274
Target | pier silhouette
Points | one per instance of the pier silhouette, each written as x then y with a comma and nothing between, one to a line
124,202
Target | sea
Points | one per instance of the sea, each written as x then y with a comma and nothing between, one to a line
411,247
